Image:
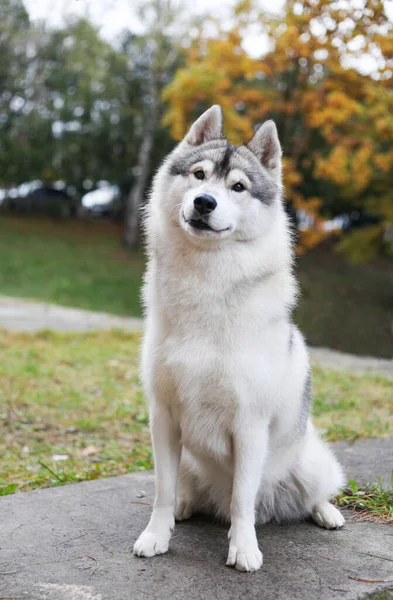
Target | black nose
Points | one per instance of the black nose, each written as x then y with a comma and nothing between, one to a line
204,204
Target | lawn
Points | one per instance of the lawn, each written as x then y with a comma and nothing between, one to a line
345,306
76,263
72,408
71,263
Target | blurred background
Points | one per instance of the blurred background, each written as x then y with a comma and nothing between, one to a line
94,94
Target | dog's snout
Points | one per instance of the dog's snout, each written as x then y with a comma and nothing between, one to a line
204,204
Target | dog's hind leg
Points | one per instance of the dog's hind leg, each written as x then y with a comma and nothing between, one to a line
313,479
321,477
187,489
328,516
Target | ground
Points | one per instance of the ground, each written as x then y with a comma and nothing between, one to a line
75,543
76,263
72,408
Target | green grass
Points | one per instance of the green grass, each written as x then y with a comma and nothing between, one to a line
371,502
347,406
71,263
73,395
384,595
79,396
344,306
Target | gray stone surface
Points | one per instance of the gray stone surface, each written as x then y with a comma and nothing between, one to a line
340,361
26,315
365,460
74,543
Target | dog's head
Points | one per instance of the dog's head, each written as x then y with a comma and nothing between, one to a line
215,190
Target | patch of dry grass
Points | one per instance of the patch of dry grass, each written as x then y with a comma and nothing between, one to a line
71,408
349,406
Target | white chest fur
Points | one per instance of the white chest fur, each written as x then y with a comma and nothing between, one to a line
220,337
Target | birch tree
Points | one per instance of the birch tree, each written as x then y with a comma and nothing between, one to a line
161,54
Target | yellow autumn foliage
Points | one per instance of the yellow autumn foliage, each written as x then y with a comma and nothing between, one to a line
335,123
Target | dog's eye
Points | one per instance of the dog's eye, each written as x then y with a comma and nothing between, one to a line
238,187
199,175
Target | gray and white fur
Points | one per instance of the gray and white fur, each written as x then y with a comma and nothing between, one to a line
226,371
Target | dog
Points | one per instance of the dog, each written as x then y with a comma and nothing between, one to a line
226,370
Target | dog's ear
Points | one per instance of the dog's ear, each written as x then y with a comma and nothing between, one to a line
208,127
266,147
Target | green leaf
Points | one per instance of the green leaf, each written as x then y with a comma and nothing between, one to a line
8,489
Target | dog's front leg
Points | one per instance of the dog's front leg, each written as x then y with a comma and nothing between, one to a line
166,447
250,449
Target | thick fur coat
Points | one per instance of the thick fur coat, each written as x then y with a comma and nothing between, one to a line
226,371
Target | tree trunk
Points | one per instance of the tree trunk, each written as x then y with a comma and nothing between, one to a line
137,191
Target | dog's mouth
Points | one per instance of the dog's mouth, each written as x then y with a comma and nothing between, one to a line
202,226
198,224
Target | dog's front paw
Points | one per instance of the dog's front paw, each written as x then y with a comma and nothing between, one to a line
150,543
244,555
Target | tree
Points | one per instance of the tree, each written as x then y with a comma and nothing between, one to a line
14,28
160,55
85,80
74,107
309,83
63,96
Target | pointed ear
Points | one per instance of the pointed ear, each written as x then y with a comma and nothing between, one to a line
267,149
208,127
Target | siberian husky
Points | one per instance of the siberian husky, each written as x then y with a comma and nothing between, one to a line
226,371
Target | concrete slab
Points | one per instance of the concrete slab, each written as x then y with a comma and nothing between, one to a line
365,460
74,543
